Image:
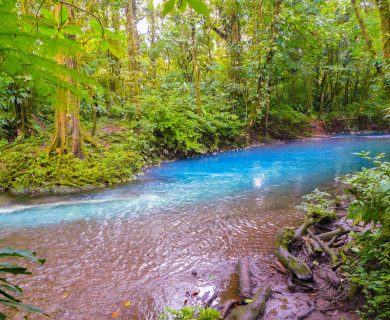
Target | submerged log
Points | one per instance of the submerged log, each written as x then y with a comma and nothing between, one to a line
245,289
301,270
255,309
209,300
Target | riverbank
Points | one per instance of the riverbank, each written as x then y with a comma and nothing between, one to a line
119,155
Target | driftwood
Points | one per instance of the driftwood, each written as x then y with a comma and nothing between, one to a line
333,256
301,270
228,305
245,289
255,309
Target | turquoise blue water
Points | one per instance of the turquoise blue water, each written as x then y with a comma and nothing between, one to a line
297,167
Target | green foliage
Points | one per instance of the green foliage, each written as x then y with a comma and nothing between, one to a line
318,204
27,167
197,5
287,123
10,293
371,272
178,129
371,188
189,313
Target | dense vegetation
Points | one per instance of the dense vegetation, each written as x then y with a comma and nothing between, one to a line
92,91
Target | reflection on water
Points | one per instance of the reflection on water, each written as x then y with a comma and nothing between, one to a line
140,242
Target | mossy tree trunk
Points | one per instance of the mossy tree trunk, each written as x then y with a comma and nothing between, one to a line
384,14
383,7
195,69
67,130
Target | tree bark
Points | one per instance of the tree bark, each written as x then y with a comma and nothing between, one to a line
383,7
132,35
264,79
67,130
384,14
195,69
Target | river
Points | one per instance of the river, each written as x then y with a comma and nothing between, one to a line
139,242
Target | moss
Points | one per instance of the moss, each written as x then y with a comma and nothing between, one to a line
25,166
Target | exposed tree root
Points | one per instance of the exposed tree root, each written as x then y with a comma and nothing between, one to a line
300,269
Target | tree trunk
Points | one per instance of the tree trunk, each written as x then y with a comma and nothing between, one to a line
133,54
235,43
195,69
384,13
152,31
383,7
67,130
264,79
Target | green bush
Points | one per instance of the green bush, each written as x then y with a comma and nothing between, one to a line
287,123
370,270
191,312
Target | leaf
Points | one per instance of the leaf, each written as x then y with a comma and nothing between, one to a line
182,5
18,305
168,7
95,25
248,301
73,30
115,314
127,303
62,16
13,268
199,7
9,252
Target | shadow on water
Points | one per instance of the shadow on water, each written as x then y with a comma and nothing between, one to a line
140,242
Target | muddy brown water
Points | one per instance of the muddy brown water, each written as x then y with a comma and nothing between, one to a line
93,267
139,243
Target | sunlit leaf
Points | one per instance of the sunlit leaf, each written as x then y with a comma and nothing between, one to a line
168,7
